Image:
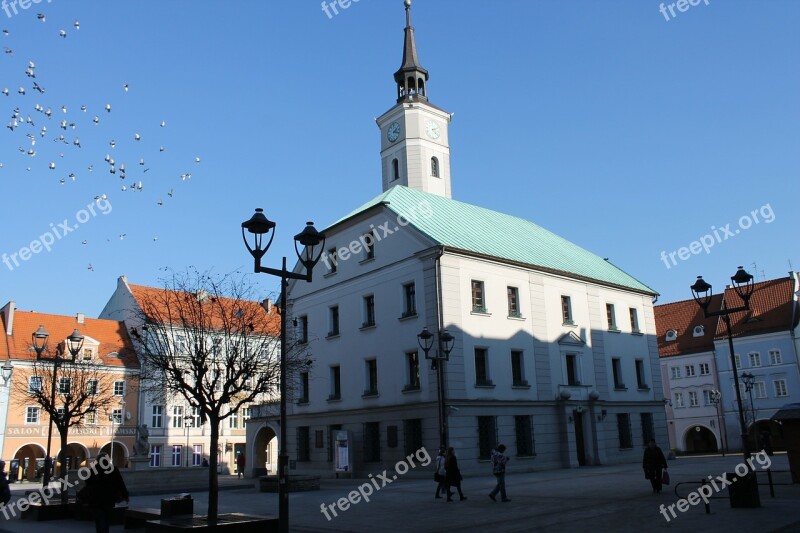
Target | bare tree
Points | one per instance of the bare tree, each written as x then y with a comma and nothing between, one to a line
209,341
69,392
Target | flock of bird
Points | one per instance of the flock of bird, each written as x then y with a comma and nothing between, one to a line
47,131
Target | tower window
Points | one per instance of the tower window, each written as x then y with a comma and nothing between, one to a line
434,167
421,85
412,88
395,169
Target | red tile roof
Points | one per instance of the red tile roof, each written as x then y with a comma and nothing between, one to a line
111,335
772,304
163,303
684,316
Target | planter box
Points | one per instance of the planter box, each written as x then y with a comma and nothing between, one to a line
233,522
296,483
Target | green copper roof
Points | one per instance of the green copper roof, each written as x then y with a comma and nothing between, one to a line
475,229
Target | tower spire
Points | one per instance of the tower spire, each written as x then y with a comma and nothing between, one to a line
411,78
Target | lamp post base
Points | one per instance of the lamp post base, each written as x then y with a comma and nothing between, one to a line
743,491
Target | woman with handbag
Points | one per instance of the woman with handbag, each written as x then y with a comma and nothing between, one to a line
653,462
452,474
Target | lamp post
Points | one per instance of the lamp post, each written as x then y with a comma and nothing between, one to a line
5,391
702,294
259,226
716,398
186,419
442,354
749,381
74,344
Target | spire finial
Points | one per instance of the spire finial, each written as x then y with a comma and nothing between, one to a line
408,12
411,78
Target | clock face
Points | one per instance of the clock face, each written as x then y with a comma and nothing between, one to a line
393,132
432,129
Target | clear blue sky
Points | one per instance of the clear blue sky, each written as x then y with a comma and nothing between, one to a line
601,121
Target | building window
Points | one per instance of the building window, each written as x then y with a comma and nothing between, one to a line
302,329
487,436
194,417
177,416
571,361
755,359
391,437
409,300
482,367
395,169
634,320
87,354
303,387
333,321
693,399
319,438
177,454
523,431
737,360
32,415
303,444
775,357
648,429
611,317
566,310
689,370
704,369
155,455
368,241
336,390
675,371
518,369
372,442
641,378
616,369
478,302
369,311
780,388
412,435
64,385
180,344
233,420
624,431
119,388
197,454
678,399
761,389
91,418
707,396
434,167
158,417
513,302
372,377
332,257
34,384
116,416
91,387
412,363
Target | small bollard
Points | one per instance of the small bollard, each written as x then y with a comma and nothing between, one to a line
707,505
771,486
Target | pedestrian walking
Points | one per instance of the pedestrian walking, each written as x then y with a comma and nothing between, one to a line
240,462
652,462
439,475
452,475
104,489
5,490
499,461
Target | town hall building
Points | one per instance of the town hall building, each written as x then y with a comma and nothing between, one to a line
553,349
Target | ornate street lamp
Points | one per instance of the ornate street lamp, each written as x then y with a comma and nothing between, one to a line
313,244
716,400
442,354
39,340
702,293
749,381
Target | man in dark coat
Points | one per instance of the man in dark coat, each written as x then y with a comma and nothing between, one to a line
653,462
104,489
452,474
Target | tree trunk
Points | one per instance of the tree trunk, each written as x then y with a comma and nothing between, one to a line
63,474
213,485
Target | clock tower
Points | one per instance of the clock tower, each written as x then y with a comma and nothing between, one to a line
415,150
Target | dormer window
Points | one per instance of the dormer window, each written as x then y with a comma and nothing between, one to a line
672,335
87,354
698,331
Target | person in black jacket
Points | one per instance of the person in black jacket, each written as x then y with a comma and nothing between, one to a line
652,462
104,489
452,474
